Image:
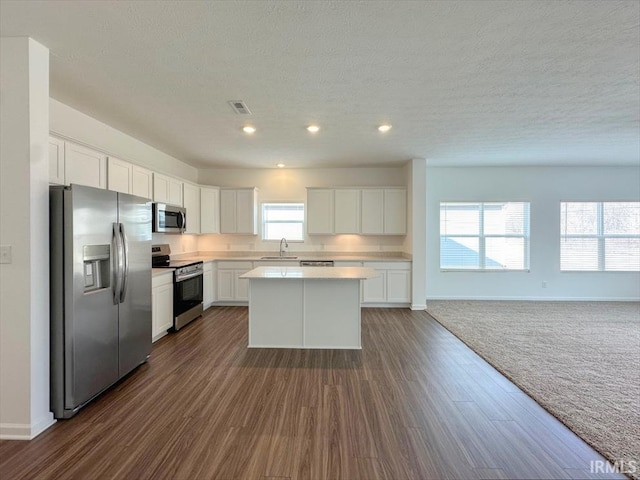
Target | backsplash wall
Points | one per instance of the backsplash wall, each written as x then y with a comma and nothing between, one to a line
313,243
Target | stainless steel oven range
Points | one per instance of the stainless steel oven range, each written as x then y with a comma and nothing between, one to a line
187,285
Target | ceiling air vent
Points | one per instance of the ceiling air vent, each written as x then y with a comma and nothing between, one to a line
240,107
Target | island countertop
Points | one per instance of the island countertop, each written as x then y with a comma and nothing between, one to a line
354,273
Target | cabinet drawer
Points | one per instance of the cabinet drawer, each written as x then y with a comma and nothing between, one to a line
163,279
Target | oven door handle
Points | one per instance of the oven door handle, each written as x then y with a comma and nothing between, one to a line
188,276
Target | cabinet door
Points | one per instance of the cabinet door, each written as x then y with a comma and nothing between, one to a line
120,175
241,286
162,309
395,211
207,288
192,204
227,211
372,212
398,286
175,192
84,166
374,289
209,210
319,211
160,188
246,211
346,213
142,182
56,161
225,285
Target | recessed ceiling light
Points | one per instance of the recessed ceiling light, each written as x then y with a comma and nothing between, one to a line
313,128
280,165
248,129
384,127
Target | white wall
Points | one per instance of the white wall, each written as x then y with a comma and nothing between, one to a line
545,188
24,226
289,185
81,128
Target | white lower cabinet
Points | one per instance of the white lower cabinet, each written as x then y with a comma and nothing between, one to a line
393,286
208,285
230,287
399,286
374,290
161,304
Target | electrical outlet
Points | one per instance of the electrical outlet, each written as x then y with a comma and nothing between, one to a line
5,253
544,284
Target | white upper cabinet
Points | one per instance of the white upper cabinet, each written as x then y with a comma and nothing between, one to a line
120,175
167,190
372,211
142,182
346,212
84,166
395,211
209,210
384,211
238,210
192,204
319,211
366,211
56,161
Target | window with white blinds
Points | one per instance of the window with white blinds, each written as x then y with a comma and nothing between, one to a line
283,220
484,236
600,236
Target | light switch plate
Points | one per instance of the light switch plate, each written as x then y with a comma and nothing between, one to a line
5,253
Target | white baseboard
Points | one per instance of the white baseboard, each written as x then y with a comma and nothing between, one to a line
24,431
540,299
385,305
416,306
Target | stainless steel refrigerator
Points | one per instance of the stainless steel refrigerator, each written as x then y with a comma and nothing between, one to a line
100,291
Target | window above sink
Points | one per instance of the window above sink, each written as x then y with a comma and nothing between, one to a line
283,220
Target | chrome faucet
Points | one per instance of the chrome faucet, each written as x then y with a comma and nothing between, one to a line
286,245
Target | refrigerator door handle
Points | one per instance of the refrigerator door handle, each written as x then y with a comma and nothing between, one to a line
117,262
125,272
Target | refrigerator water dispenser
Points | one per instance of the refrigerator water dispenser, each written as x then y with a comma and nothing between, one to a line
97,267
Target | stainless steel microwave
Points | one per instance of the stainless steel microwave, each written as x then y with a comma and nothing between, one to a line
169,219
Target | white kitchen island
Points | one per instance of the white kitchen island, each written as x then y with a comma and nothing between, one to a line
305,307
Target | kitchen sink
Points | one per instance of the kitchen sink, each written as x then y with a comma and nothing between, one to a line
278,258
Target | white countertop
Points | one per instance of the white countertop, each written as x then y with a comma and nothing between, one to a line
345,273
161,271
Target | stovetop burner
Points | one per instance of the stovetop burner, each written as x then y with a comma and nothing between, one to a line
160,258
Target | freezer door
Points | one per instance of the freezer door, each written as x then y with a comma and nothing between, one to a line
135,299
91,316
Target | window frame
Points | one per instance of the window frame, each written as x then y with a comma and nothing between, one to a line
481,236
599,236
263,221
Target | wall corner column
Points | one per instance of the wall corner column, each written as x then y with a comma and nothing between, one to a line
419,233
24,227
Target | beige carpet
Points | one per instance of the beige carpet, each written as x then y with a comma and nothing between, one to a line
579,360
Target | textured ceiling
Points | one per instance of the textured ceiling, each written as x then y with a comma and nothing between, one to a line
463,83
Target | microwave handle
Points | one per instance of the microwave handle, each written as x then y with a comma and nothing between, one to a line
182,223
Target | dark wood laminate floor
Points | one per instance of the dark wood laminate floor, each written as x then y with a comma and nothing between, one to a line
415,403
